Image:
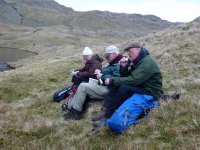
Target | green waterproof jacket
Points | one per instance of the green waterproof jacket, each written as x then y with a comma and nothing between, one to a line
112,70
146,75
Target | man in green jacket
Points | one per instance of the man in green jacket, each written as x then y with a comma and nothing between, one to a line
139,74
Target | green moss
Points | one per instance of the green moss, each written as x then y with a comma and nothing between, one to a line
183,72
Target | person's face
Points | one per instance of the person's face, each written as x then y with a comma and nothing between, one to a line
133,53
86,58
110,56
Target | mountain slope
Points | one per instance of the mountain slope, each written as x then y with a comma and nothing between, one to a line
28,115
8,14
36,13
130,23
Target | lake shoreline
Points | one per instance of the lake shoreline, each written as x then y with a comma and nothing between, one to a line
8,55
4,66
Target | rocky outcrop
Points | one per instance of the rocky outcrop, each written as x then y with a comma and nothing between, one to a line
4,66
9,14
33,13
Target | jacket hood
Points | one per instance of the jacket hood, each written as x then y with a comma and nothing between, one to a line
96,57
116,60
143,52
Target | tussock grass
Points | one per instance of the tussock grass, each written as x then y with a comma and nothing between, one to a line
29,120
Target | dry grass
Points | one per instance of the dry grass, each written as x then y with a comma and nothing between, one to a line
29,120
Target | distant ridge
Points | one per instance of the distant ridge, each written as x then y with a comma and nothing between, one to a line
197,19
41,13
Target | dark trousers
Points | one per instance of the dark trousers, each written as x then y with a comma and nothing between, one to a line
117,96
77,80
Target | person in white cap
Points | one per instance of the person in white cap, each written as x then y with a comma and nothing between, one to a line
92,62
93,89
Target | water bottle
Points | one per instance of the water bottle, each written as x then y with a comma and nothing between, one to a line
100,82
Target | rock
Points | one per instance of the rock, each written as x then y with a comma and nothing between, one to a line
8,14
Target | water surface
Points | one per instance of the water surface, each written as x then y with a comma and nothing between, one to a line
12,55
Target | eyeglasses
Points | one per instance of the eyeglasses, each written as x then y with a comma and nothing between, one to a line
85,56
107,55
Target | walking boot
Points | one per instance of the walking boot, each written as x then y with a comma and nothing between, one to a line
174,96
98,125
100,116
73,114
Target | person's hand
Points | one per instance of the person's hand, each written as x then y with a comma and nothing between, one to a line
108,81
124,61
74,73
98,73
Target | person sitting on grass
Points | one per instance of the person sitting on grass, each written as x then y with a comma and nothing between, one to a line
93,89
91,63
140,74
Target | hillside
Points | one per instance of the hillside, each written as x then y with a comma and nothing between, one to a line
33,13
37,13
30,121
55,42
50,29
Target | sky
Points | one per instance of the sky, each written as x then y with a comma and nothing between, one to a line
171,10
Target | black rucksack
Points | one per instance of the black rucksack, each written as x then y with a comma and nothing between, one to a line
62,94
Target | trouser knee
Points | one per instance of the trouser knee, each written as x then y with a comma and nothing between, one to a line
123,88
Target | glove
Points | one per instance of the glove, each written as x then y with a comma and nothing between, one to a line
74,73
108,81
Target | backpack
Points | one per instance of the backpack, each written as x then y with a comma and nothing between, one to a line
62,94
69,99
131,112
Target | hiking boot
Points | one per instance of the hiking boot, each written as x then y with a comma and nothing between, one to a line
64,107
99,122
174,96
100,116
98,125
73,115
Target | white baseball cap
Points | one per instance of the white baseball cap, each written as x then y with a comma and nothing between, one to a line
87,51
111,49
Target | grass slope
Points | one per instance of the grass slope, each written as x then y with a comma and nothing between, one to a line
28,120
